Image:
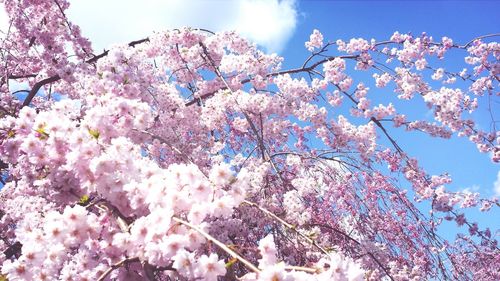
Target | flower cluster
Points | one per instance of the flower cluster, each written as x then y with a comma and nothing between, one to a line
315,40
191,155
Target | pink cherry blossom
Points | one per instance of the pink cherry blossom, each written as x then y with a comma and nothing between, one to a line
194,155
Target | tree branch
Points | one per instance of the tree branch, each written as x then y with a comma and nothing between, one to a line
55,78
116,266
274,74
221,245
289,226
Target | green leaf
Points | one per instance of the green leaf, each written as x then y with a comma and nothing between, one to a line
94,133
231,262
43,134
84,200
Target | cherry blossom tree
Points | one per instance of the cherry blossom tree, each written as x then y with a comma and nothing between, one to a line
193,155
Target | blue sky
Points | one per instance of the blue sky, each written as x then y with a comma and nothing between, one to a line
283,26
459,20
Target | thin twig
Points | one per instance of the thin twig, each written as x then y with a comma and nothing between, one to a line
278,73
56,77
116,266
247,117
221,245
286,224
480,37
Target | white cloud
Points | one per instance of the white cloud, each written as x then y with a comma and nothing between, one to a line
269,23
472,189
496,185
